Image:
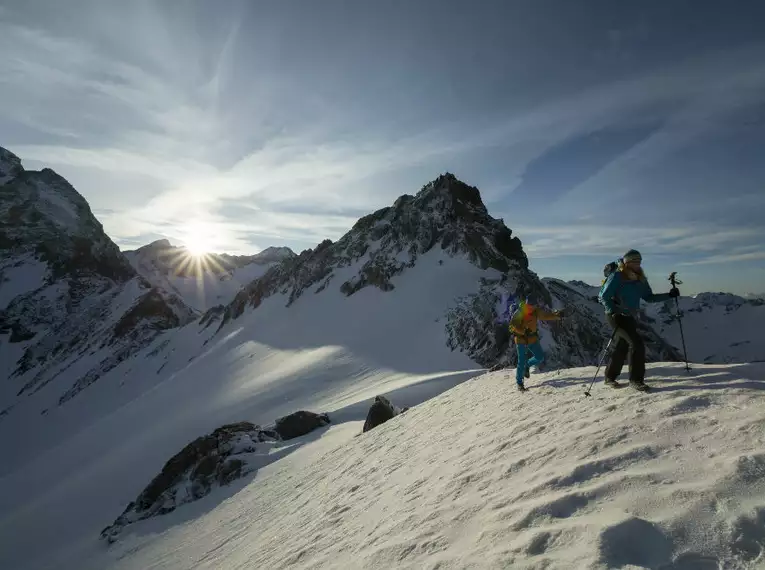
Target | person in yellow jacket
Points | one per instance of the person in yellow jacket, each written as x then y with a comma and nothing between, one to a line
525,331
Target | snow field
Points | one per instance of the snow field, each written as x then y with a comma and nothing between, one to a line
484,477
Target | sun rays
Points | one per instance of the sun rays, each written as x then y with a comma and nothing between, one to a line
195,259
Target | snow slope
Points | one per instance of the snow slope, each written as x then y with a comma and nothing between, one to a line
326,352
384,310
483,477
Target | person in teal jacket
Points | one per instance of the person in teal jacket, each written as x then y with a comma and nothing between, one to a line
621,295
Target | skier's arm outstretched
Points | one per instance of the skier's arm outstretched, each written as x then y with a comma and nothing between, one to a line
650,297
549,316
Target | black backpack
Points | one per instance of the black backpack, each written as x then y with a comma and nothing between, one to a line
608,269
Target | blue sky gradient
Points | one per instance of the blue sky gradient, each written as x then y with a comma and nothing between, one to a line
590,127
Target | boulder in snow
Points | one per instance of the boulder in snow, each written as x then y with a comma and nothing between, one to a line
299,423
380,412
212,460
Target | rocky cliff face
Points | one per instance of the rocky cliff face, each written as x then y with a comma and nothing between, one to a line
69,300
449,215
446,213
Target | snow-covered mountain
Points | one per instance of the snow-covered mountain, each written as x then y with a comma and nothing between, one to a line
69,300
202,281
402,305
446,222
718,327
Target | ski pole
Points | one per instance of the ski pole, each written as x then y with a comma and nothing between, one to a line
675,282
602,358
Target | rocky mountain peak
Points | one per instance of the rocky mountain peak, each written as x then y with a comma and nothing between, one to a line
10,164
447,215
273,254
450,195
43,215
448,212
67,293
157,245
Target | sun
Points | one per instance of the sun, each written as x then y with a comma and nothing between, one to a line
197,246
197,239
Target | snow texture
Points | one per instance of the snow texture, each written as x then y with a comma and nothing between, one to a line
483,477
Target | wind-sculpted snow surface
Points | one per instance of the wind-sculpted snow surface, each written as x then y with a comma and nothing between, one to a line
483,477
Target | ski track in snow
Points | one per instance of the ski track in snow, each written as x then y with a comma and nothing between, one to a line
484,477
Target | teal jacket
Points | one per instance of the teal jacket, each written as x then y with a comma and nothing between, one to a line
622,296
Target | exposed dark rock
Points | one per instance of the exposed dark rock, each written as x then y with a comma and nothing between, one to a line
212,460
381,411
151,308
10,164
300,423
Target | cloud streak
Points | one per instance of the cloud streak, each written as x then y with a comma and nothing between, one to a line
214,123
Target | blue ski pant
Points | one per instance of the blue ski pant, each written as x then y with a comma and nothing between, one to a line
523,352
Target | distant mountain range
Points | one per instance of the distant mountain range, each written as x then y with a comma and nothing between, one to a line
204,281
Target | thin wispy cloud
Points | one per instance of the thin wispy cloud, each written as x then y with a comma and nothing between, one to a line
242,123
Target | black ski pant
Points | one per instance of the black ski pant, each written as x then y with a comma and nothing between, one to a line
627,340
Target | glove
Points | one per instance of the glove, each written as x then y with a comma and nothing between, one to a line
560,313
674,292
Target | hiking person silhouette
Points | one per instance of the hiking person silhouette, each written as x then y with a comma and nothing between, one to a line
621,294
525,331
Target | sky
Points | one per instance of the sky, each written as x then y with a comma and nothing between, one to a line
590,127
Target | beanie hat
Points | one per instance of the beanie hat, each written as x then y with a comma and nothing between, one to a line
632,255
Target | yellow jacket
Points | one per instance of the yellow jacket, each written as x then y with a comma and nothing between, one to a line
524,325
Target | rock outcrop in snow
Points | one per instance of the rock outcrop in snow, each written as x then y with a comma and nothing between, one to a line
214,460
68,298
380,412
299,423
